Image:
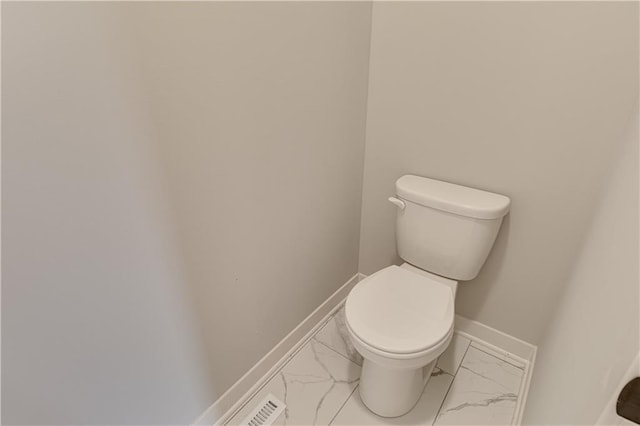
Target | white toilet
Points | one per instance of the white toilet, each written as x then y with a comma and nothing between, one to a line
401,318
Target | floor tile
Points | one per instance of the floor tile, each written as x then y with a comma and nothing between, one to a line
355,412
335,335
504,356
450,360
314,384
484,392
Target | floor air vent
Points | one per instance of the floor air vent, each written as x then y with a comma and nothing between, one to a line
265,413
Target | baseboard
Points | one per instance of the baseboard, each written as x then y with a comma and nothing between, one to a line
509,347
609,415
222,409
524,388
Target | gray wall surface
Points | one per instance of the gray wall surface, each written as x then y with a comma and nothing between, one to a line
184,182
526,99
593,334
181,187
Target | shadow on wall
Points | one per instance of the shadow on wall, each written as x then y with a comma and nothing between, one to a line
534,116
152,149
492,269
592,335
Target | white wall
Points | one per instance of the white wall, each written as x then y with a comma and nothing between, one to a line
260,114
592,337
163,161
182,182
526,99
97,326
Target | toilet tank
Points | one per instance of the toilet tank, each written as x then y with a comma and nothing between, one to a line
445,228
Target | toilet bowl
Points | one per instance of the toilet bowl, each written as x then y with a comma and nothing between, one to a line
401,319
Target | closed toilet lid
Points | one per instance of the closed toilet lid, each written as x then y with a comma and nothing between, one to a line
399,311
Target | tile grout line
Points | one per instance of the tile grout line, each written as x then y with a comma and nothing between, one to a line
435,419
462,360
500,359
508,358
336,351
275,373
344,403
348,359
473,342
266,382
490,346
451,384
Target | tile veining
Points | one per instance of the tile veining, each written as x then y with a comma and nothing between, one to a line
469,385
484,391
335,335
314,384
355,412
450,360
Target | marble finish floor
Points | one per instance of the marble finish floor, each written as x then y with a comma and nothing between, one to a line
471,385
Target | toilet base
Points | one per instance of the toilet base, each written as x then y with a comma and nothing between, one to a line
392,392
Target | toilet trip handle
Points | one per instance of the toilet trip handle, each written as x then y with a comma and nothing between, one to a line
398,202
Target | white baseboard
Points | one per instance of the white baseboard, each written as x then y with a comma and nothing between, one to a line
231,401
524,387
609,415
509,347
222,409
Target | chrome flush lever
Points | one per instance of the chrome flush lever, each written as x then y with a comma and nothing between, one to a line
398,202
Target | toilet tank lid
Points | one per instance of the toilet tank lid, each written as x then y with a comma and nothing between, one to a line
452,198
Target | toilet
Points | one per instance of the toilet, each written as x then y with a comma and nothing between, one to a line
401,318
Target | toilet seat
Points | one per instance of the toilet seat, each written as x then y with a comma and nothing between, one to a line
400,313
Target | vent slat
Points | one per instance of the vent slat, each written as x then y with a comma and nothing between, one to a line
265,413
